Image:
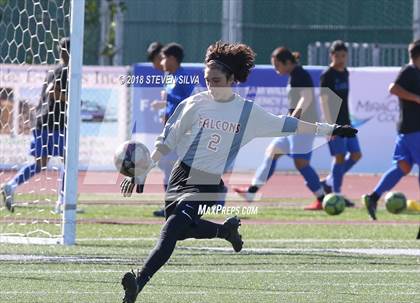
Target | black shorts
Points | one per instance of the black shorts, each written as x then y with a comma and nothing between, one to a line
189,188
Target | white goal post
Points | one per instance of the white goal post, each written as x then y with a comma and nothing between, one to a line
71,162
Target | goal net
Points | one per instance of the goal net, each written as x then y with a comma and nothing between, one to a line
37,206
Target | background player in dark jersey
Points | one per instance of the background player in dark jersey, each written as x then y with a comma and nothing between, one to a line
154,55
407,147
301,105
346,151
172,94
48,134
207,130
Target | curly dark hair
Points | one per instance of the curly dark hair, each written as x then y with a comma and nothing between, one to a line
231,58
414,49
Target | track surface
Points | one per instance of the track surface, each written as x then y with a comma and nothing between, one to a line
280,185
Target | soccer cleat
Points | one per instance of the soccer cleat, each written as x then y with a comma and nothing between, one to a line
244,193
131,289
349,203
159,213
413,205
326,187
232,225
316,205
370,206
7,193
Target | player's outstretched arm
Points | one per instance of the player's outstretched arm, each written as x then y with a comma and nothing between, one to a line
265,124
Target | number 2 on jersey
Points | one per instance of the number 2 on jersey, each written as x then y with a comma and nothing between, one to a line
215,139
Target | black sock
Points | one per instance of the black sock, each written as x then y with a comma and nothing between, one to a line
374,197
320,198
223,232
142,280
204,229
253,189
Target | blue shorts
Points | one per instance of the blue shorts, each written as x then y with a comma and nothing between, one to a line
45,144
340,145
407,148
296,146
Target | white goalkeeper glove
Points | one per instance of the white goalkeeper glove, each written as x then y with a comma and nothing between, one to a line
128,183
324,129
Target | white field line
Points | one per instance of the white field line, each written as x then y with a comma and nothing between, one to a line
306,240
183,293
341,271
60,259
21,258
362,251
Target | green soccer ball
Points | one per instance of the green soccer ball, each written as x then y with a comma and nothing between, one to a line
333,204
395,202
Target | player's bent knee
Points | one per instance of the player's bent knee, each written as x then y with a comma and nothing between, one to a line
273,152
301,163
42,162
404,166
356,156
39,165
270,152
339,158
175,227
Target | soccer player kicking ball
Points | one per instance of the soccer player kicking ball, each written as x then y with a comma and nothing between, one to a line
302,106
207,130
48,135
407,146
346,151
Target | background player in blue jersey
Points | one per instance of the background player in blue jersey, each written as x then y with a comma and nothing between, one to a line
346,151
173,93
48,134
302,106
407,146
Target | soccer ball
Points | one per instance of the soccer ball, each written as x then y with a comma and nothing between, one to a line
395,202
132,158
333,204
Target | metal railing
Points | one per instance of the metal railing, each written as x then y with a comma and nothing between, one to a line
361,54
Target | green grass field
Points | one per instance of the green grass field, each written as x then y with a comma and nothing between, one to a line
314,258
